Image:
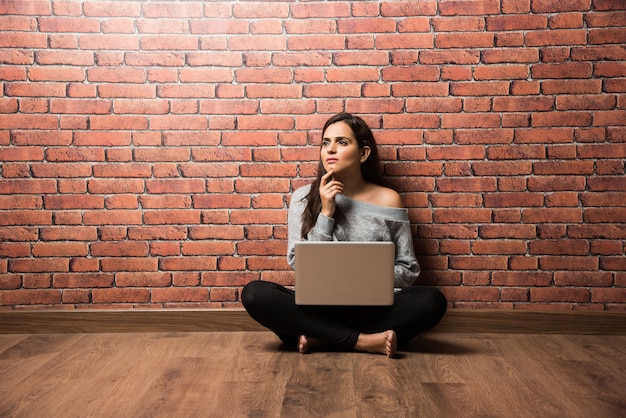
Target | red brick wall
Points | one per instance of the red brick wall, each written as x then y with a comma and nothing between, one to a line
148,148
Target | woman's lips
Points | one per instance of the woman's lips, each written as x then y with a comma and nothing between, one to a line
331,160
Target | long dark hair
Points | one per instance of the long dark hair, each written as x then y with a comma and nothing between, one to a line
370,168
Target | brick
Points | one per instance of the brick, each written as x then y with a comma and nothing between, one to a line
547,6
414,24
221,201
310,26
567,168
469,7
185,279
374,25
26,186
523,263
552,215
498,168
427,7
563,119
506,23
562,71
18,233
571,86
458,24
433,105
484,88
53,73
610,167
188,263
117,217
34,281
606,247
507,231
68,24
317,10
82,280
469,152
161,59
80,106
478,263
116,295
523,104
555,54
40,137
605,19
39,265
509,39
171,217
607,36
566,21
464,215
171,122
556,37
508,72
562,199
601,151
18,40
499,247
559,247
118,264
454,247
43,89
607,295
466,185
602,198
609,69
457,73
513,199
560,295
525,279
449,57
604,215
21,154
404,41
15,250
207,248
30,297
585,102
612,263
610,117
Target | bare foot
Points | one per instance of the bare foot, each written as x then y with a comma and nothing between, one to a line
382,343
303,344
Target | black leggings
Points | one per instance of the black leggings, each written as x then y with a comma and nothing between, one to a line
415,309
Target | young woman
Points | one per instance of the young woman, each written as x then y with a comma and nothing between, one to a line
347,202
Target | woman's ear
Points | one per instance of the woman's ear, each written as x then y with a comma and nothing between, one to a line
365,153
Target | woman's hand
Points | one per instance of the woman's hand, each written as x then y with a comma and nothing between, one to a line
329,188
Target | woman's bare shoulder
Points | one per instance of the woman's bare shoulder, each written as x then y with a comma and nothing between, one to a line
384,196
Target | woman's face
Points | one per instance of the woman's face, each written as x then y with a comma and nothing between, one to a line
340,150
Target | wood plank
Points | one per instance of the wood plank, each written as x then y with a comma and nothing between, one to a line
119,321
218,320
219,374
320,385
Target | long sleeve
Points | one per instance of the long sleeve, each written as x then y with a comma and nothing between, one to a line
322,231
406,269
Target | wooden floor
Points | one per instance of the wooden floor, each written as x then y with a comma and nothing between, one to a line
249,374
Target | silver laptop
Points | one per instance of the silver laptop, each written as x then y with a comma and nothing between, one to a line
344,273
